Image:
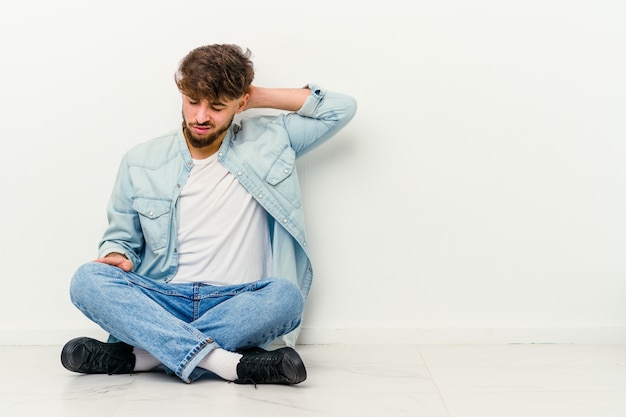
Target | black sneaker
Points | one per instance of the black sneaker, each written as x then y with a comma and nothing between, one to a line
252,351
280,366
90,356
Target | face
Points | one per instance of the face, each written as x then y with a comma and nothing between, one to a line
207,121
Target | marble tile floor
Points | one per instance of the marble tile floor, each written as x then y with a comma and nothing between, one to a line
343,380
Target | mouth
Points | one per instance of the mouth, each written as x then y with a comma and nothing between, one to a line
200,129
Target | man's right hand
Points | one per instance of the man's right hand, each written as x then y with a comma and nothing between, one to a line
118,260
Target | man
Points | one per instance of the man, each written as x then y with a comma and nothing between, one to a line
204,262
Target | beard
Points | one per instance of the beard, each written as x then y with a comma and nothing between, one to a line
196,141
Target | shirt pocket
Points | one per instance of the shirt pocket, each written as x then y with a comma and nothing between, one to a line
154,217
282,176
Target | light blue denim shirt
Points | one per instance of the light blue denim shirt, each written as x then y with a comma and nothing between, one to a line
260,152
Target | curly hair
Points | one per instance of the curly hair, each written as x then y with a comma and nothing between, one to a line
215,72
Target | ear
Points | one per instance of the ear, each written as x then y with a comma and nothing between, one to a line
243,103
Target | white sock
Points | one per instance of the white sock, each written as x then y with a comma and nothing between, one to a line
144,361
222,362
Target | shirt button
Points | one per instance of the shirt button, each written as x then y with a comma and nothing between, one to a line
220,154
285,220
260,196
151,213
304,244
286,171
239,173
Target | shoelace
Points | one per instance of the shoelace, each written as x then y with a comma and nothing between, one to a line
105,359
263,368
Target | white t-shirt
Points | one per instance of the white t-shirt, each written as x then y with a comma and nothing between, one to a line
223,235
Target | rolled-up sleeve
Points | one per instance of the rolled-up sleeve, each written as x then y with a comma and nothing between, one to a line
323,114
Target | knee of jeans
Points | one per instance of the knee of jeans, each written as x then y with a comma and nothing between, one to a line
289,295
83,281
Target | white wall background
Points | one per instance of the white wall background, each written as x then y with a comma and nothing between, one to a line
478,195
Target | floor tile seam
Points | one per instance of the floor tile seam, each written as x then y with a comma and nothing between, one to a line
439,393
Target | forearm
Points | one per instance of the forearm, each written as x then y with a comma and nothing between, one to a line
322,115
110,248
289,99
123,234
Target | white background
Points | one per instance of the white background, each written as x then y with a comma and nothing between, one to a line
477,196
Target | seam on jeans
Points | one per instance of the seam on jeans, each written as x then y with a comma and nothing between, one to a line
190,357
252,286
196,301
152,288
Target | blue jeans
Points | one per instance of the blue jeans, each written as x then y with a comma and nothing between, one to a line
179,324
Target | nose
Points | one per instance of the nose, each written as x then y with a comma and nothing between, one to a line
203,114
